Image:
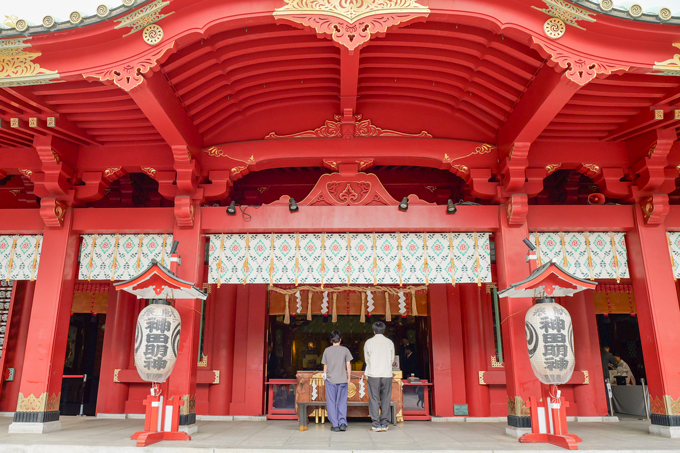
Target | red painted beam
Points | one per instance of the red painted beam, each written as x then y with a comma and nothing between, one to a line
349,79
156,98
21,221
124,220
672,220
542,101
580,218
277,218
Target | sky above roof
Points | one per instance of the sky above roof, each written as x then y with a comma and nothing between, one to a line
34,10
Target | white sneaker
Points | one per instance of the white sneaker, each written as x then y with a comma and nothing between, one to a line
384,428
376,429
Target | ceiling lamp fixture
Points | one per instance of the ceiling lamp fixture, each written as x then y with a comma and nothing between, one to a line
450,207
403,206
292,205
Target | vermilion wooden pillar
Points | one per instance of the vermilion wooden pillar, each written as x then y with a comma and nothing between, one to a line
512,267
475,350
590,398
250,350
40,389
222,353
118,340
440,352
182,381
456,342
659,318
16,343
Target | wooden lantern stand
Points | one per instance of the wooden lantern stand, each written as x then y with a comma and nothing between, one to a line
549,420
161,421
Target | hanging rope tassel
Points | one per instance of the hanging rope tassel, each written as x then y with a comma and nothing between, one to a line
414,307
362,318
286,315
335,308
388,312
309,305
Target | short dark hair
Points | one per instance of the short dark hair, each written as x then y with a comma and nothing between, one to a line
379,327
408,348
335,337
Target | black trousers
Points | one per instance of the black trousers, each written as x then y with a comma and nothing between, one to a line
379,396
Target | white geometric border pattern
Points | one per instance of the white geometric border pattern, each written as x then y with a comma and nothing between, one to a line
121,256
351,258
596,255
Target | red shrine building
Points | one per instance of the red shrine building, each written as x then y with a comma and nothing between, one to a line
326,164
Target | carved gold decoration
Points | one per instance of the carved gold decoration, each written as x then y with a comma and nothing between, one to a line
565,11
586,377
75,17
431,188
10,21
333,129
670,67
143,17
152,34
484,148
495,363
489,287
263,189
665,405
51,121
214,151
55,156
552,168
43,403
17,67
658,114
129,75
350,22
592,167
554,28
26,172
217,377
189,406
21,25
650,151
48,21
204,361
481,378
517,407
149,171
15,192
579,68
115,375
462,170
102,10
110,171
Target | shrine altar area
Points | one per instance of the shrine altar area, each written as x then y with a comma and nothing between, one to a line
311,387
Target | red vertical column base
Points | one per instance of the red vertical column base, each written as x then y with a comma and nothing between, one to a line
145,438
568,441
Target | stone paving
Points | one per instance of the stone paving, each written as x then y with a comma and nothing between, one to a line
87,435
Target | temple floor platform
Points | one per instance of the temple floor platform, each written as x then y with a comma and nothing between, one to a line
88,435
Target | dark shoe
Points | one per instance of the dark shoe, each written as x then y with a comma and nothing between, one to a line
343,427
335,429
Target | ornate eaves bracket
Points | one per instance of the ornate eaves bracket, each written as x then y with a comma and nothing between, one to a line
17,67
351,23
129,74
580,68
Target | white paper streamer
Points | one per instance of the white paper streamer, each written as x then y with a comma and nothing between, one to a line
402,303
324,303
299,302
369,301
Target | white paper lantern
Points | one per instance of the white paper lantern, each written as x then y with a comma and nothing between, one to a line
550,340
157,342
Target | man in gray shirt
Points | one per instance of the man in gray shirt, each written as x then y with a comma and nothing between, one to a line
337,372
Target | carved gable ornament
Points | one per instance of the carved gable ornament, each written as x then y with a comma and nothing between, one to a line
351,23
17,67
338,189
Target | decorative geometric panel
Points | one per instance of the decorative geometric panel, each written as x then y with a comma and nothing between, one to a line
20,257
121,256
674,249
593,256
350,258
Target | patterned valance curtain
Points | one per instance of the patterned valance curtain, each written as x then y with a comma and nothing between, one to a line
20,256
674,250
593,256
121,256
351,258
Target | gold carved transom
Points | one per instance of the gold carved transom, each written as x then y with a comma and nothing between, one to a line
350,10
17,67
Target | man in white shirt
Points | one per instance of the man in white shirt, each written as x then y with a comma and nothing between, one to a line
624,370
379,355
